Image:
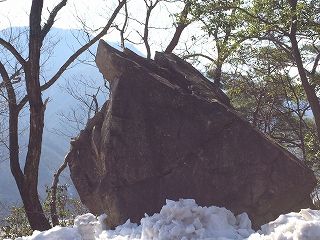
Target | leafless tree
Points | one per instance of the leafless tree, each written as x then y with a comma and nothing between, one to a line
122,30
89,105
27,178
150,5
87,102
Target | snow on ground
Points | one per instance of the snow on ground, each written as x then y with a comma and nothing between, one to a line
185,220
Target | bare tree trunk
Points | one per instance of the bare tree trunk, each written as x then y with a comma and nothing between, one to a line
123,29
27,180
33,208
27,184
146,33
29,191
14,148
13,128
53,202
150,6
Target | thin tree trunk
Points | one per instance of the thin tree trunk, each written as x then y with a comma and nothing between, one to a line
217,74
27,186
27,180
146,33
175,39
309,90
181,25
33,208
53,202
30,196
13,128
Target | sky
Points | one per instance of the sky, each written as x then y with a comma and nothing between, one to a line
15,12
95,13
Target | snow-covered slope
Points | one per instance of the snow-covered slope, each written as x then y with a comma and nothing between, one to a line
186,220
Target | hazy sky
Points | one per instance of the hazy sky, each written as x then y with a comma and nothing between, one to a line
96,13
15,12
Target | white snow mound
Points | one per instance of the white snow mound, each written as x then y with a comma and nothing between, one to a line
185,220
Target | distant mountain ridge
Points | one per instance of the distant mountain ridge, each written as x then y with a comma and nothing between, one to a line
54,146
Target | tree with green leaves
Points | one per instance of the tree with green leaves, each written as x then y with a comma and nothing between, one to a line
293,27
223,27
265,92
271,53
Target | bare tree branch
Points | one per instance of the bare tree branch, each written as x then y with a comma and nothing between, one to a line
53,193
46,28
124,26
315,64
145,36
198,55
13,51
13,127
76,54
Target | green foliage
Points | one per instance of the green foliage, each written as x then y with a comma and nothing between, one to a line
67,208
232,22
271,98
265,49
16,223
253,41
222,24
312,146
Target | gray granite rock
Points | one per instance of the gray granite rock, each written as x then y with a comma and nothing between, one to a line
168,133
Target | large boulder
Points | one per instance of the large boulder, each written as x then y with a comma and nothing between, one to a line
167,132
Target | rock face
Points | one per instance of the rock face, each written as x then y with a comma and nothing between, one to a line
169,133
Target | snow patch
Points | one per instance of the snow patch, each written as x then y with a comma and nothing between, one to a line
185,220
304,225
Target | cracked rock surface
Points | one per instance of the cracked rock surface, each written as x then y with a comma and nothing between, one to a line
169,133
